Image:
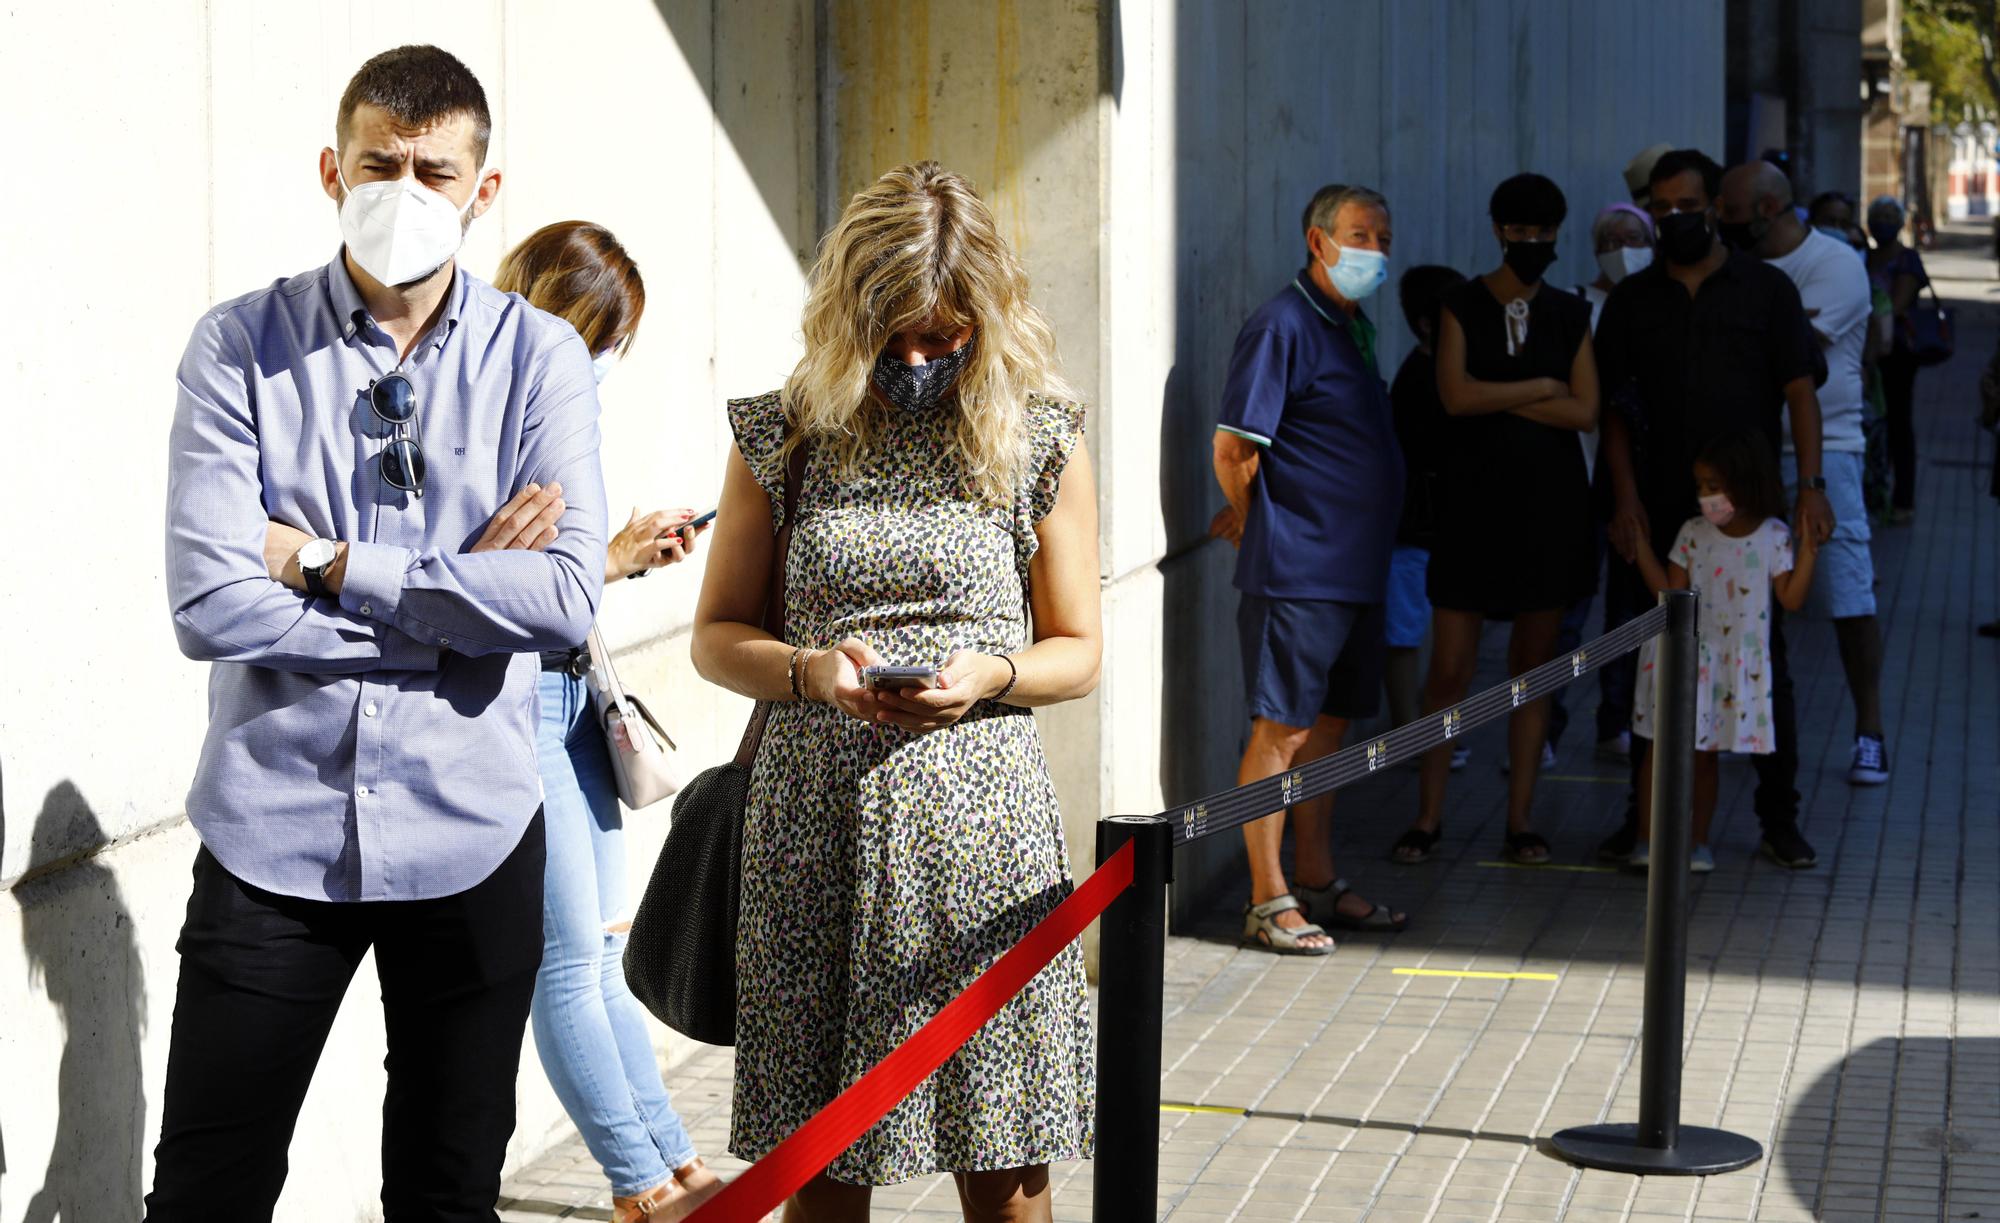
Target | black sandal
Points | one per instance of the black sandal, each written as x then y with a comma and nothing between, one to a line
1522,844
1415,846
1323,906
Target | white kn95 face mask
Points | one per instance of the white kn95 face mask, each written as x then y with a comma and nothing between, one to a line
399,230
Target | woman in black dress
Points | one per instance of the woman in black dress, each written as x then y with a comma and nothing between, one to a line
1515,542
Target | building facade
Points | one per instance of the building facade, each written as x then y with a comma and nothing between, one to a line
1150,161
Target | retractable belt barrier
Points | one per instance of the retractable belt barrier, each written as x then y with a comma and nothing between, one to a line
1129,890
1257,799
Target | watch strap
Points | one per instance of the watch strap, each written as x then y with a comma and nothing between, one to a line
315,582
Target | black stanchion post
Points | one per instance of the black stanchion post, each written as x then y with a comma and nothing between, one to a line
1131,984
1659,1144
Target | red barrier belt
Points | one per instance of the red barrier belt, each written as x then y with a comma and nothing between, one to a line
834,1128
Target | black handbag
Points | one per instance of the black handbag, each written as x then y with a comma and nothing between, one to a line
680,958
1931,334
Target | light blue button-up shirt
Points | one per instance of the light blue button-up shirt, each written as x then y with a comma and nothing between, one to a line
378,746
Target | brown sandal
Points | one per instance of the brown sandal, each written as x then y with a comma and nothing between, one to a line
643,1207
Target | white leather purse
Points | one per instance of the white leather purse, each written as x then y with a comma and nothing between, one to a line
641,752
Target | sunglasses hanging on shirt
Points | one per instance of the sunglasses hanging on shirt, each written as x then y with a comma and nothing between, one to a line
394,401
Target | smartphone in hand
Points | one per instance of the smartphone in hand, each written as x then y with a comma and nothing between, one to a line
881,677
687,529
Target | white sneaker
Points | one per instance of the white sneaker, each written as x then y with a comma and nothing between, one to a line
1701,860
1616,750
1641,858
1871,762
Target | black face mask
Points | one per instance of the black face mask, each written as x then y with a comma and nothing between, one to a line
1685,238
915,388
1743,235
1528,260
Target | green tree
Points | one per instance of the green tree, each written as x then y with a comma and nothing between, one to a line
1952,45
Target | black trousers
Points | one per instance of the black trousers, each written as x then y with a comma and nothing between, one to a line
262,977
1899,395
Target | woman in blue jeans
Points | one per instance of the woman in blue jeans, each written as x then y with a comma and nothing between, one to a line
590,1032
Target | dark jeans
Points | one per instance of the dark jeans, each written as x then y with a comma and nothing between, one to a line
262,977
1624,598
1899,392
1777,796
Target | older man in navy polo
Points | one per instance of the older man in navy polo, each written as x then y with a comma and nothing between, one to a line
1306,454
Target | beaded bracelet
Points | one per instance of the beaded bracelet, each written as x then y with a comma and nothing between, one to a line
792,673
1013,677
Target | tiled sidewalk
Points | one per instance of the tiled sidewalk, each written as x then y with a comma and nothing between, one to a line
1848,1017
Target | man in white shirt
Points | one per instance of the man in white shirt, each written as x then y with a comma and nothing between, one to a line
1756,215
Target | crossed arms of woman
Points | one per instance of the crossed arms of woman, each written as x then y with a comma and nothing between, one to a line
1550,401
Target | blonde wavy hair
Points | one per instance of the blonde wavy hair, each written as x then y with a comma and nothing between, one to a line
918,250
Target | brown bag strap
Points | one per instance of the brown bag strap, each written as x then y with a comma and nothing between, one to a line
774,604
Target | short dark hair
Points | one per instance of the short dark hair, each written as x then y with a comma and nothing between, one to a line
1742,459
1679,162
1824,200
418,85
1326,203
1528,199
1422,291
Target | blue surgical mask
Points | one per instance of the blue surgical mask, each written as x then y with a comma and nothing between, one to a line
603,363
1357,273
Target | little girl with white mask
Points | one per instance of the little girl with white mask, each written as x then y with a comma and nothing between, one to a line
1735,555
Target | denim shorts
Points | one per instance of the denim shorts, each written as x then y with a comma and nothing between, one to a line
1408,610
1306,657
1843,582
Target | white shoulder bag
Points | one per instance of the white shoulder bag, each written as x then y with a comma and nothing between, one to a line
641,752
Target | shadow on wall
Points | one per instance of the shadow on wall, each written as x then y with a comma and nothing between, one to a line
83,956
737,43
1871,1090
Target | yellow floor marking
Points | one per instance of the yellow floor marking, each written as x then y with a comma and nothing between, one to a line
1552,866
1475,975
1204,1108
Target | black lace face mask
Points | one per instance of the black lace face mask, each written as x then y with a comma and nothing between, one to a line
918,388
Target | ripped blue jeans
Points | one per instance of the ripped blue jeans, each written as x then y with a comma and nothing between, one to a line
590,1032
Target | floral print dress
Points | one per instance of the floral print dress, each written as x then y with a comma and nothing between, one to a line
1733,677
882,870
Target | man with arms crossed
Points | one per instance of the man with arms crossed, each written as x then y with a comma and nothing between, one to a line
340,442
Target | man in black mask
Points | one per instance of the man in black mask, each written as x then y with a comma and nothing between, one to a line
1703,342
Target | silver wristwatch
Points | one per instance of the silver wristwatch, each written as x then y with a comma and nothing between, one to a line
314,560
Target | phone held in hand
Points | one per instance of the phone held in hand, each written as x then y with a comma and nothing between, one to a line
687,529
880,677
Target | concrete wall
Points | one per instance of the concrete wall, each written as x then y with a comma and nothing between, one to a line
173,164
1149,160
1006,94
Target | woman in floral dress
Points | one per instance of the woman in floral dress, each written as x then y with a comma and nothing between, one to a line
898,841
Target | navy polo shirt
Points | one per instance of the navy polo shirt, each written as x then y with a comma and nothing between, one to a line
1329,486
